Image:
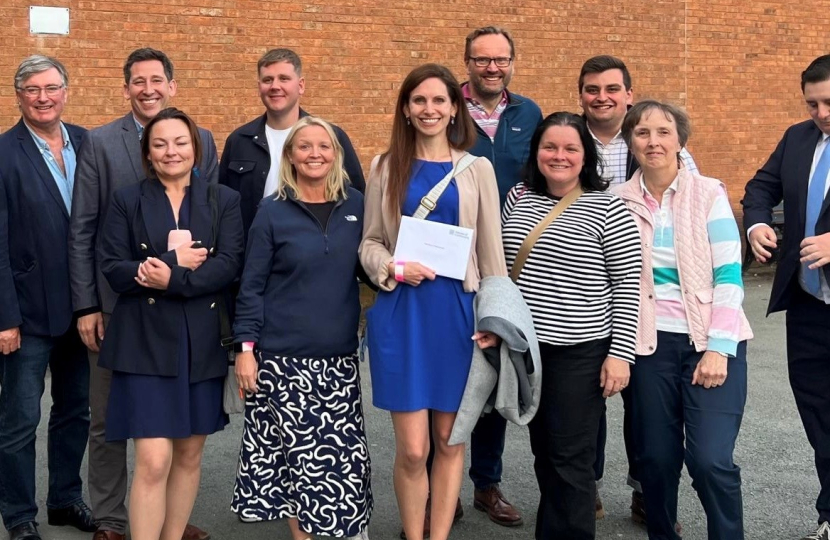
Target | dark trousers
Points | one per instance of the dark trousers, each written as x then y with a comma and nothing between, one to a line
628,440
665,405
22,382
107,479
808,363
563,438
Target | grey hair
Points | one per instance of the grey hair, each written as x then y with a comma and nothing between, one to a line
38,63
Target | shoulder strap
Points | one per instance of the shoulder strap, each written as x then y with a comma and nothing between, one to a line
225,331
530,239
429,200
213,201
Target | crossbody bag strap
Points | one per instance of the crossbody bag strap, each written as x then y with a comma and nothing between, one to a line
429,201
530,239
225,331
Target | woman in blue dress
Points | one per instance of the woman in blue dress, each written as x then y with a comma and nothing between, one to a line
163,343
420,328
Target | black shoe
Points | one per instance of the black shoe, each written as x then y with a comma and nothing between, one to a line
78,515
24,531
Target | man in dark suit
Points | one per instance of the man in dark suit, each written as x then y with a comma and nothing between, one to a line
36,320
110,159
797,172
252,154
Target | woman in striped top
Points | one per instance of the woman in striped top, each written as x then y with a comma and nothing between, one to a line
691,342
581,283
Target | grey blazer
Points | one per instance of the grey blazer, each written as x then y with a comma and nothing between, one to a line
109,159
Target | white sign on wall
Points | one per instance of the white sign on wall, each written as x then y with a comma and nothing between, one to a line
48,20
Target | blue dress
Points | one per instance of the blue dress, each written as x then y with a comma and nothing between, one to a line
142,406
419,338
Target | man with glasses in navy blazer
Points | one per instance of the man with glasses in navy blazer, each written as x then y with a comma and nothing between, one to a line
36,320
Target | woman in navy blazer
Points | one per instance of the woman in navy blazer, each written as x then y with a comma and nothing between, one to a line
163,341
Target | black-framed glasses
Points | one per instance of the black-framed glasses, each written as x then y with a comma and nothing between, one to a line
484,61
34,91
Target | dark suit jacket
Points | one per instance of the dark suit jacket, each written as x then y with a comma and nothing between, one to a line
109,159
34,227
246,161
144,332
786,175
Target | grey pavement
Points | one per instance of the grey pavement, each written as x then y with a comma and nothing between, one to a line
779,481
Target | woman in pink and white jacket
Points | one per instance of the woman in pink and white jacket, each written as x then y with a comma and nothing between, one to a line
690,371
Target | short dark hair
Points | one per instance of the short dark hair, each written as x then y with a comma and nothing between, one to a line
488,31
602,63
818,71
672,112
589,177
170,113
281,55
144,54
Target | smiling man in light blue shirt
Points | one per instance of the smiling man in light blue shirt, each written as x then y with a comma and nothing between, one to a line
37,326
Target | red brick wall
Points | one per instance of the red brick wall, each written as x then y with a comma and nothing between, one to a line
733,64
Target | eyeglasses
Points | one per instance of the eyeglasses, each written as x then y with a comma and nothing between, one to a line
34,91
484,61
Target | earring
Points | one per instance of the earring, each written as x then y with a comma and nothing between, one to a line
452,120
407,121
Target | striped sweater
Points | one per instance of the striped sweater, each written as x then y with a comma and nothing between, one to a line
581,280
725,245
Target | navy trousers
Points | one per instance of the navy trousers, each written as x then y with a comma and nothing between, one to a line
665,404
808,363
22,382
628,440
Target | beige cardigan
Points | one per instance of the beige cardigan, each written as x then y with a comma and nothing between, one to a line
478,210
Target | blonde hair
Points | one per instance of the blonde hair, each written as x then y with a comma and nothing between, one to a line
337,181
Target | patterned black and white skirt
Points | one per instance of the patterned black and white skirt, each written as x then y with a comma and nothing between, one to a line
304,453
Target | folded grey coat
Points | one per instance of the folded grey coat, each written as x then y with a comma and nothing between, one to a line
507,378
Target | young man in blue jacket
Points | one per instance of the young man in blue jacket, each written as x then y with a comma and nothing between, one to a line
251,159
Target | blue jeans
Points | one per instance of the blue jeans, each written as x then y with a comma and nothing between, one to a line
665,405
22,381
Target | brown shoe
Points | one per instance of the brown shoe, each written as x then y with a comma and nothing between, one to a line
191,532
638,512
598,507
498,509
107,535
459,513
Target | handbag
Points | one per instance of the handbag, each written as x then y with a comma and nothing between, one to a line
430,200
530,239
232,403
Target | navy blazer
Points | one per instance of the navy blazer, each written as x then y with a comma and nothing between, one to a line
246,161
34,228
786,175
143,334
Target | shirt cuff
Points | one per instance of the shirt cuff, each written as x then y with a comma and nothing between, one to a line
752,228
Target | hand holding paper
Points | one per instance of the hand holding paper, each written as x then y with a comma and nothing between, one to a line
443,248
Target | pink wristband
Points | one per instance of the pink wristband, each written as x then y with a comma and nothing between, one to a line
399,271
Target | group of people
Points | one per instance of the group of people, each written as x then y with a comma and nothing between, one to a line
124,249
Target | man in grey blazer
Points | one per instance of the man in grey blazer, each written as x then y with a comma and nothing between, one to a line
110,159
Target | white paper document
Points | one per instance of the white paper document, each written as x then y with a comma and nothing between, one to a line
441,247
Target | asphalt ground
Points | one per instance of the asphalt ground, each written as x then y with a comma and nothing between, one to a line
779,480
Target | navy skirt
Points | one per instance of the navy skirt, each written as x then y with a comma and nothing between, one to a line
149,406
